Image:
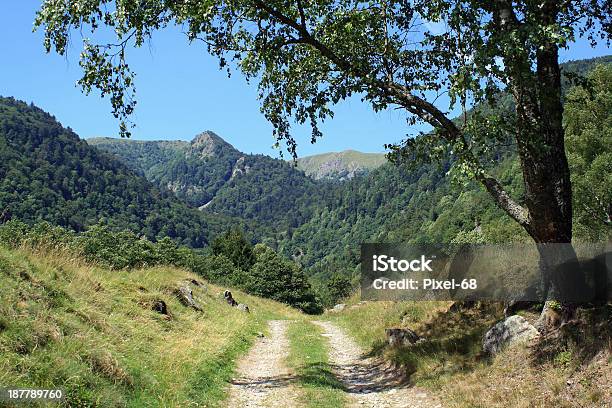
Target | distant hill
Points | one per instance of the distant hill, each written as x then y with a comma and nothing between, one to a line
48,173
341,165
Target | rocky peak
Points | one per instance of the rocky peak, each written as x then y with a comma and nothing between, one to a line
208,144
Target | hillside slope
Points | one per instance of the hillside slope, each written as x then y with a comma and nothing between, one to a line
96,333
210,174
340,165
48,173
571,367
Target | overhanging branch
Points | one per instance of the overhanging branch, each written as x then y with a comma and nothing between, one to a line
413,104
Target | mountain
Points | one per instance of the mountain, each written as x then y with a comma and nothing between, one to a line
210,174
194,171
341,165
397,204
48,173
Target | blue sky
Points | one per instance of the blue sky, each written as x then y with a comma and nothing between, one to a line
180,93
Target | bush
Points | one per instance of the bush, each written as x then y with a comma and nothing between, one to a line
282,280
339,287
218,269
236,248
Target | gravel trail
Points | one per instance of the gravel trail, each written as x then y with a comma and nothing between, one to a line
263,379
368,382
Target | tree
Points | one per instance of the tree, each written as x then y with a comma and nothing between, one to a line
235,247
339,287
588,124
310,55
275,277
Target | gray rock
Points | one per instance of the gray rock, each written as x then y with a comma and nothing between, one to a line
401,336
243,307
339,307
514,329
185,296
194,282
227,295
160,307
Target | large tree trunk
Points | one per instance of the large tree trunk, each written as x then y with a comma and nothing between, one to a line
548,192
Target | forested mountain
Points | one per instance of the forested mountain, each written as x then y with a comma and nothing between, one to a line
321,223
48,173
340,165
210,174
395,204
193,171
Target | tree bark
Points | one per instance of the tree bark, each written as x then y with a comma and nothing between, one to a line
541,148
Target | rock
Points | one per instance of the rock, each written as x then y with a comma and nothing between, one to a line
160,307
243,307
401,336
339,307
185,296
229,298
512,330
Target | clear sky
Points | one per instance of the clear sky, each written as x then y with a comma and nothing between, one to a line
180,93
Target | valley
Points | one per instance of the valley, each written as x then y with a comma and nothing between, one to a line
175,273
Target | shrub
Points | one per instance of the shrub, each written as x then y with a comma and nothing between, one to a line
282,280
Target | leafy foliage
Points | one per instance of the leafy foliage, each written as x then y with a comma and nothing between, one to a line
588,120
234,246
279,279
48,173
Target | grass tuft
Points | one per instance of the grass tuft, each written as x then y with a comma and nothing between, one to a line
308,358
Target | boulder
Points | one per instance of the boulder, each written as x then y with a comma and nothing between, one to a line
227,295
243,307
401,337
160,307
185,296
339,307
194,282
512,330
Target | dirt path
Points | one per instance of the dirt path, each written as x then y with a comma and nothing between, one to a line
263,379
368,382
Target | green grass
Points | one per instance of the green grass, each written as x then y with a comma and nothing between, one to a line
91,331
308,358
328,164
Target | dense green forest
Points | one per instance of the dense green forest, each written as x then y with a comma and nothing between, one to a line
209,173
48,173
320,223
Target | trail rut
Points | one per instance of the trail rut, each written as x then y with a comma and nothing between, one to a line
263,379
368,382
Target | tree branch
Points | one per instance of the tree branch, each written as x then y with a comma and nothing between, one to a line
417,106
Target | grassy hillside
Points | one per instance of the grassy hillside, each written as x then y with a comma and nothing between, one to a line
92,332
568,368
341,165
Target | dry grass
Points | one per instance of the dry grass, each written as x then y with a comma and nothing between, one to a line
93,332
571,369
